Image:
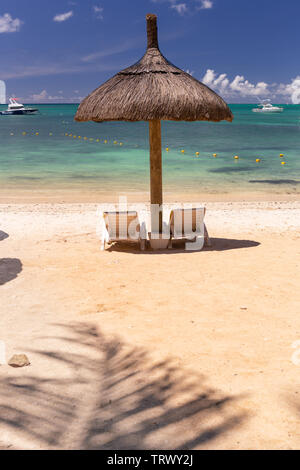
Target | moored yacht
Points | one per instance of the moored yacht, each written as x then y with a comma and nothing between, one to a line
267,107
17,108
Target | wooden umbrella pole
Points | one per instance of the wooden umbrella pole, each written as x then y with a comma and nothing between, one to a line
155,172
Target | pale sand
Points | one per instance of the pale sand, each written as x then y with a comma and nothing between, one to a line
169,350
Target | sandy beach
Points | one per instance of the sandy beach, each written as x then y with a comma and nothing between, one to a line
109,114
131,350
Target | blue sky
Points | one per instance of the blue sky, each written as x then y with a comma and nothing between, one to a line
59,51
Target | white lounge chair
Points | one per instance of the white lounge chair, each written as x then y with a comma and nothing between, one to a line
189,224
123,226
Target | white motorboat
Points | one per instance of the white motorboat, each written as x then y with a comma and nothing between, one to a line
267,107
17,108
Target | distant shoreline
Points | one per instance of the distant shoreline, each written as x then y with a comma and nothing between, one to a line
82,196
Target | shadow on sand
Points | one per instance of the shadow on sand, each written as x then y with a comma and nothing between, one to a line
3,235
223,244
95,392
218,244
9,269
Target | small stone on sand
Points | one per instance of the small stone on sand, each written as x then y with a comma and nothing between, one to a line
19,360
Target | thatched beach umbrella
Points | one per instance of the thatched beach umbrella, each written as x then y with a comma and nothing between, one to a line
153,90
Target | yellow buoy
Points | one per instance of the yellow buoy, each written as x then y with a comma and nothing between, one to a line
182,151
23,133
36,133
50,133
105,141
236,157
79,137
214,154
281,155
121,143
282,163
197,154
66,135
70,135
85,138
74,136
97,140
167,149
257,160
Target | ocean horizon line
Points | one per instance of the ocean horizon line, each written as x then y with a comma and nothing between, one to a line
78,103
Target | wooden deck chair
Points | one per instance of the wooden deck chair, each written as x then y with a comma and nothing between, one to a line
189,224
118,226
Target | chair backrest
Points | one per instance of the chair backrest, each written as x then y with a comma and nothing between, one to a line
122,225
184,222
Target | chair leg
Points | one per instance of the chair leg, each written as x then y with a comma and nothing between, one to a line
102,247
170,245
143,244
206,237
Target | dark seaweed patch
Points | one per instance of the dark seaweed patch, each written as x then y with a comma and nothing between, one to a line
280,181
237,169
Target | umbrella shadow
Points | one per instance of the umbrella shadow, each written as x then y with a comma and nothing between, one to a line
218,244
3,235
113,395
223,244
9,269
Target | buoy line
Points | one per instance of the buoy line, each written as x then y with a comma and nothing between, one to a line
116,142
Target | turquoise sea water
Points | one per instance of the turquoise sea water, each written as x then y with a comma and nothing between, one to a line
47,161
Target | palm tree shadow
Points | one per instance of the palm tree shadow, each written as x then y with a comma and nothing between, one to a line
3,235
9,269
113,396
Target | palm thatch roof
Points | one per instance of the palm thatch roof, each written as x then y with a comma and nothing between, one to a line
153,89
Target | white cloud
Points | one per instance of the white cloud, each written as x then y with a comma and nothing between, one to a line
219,83
205,4
239,86
84,64
21,71
118,49
40,96
44,97
190,6
63,16
181,8
245,88
292,90
8,24
99,12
